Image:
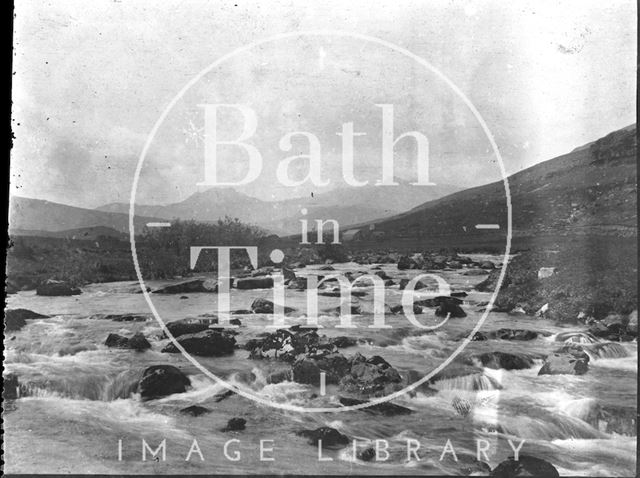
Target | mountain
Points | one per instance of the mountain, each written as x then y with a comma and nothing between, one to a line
32,216
345,205
591,190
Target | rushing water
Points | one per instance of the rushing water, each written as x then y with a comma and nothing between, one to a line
81,402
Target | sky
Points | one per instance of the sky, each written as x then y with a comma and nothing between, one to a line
91,83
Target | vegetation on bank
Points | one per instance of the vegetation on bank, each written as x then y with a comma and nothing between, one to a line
162,253
594,276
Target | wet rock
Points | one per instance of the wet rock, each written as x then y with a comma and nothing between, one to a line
286,344
330,437
367,454
242,312
446,308
13,322
525,466
235,322
280,376
307,369
208,343
185,326
195,410
383,275
576,337
137,342
338,293
288,274
10,387
53,288
487,265
342,342
370,377
508,334
223,395
265,306
255,283
326,268
437,301
502,360
235,424
22,314
572,363
399,309
298,283
162,380
459,294
190,286
405,262
385,408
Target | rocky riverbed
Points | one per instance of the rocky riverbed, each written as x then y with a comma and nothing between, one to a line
90,375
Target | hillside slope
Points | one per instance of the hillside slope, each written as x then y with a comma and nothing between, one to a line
591,190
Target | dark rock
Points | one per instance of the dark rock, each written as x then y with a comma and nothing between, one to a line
223,395
386,408
326,268
446,308
398,309
383,275
182,297
255,283
235,424
22,314
306,369
235,322
367,454
405,262
242,312
487,265
13,322
127,317
459,294
525,466
185,326
280,376
573,363
342,342
373,376
162,380
208,343
195,410
502,360
137,342
330,437
264,306
53,288
337,293
288,274
506,334
190,286
298,283
437,301
10,387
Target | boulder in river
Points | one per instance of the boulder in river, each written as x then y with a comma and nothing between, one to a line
10,387
370,377
185,326
162,380
255,283
53,288
405,262
329,437
571,363
265,306
307,369
502,360
506,334
525,466
137,342
446,308
208,343
25,314
190,286
13,322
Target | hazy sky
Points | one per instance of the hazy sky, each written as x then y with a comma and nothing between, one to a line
91,79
